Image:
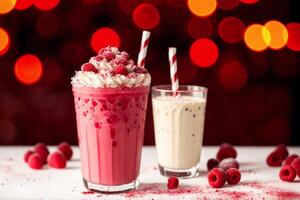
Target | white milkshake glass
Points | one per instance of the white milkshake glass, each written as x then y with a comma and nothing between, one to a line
178,125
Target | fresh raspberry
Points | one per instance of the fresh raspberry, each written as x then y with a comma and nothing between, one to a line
98,58
57,160
125,55
282,150
89,67
42,150
233,176
228,163
108,55
290,159
226,151
173,182
274,159
140,70
121,69
121,60
287,173
35,161
296,165
217,177
131,75
27,155
212,163
66,149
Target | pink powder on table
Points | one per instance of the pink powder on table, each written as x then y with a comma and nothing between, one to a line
87,192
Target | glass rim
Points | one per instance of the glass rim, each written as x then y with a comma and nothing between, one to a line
168,88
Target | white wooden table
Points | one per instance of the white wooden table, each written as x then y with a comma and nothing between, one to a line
18,181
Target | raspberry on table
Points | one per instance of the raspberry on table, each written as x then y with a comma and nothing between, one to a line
228,163
296,165
233,176
66,149
274,159
217,178
290,159
173,182
42,150
226,151
27,155
35,161
282,150
57,160
212,163
287,173
89,67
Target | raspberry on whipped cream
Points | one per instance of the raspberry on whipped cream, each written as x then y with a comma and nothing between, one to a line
109,74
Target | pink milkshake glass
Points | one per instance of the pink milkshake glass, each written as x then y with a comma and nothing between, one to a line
110,124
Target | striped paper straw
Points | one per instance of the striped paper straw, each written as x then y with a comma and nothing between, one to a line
143,50
173,70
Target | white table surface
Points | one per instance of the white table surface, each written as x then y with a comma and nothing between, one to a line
18,181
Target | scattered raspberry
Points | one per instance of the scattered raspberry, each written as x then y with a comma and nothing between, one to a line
226,151
89,67
212,163
290,159
287,173
27,155
296,165
282,150
141,70
274,159
35,161
66,149
57,160
108,55
233,176
173,183
228,163
217,178
121,69
42,150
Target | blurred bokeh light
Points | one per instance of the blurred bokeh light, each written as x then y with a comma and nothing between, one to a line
257,37
202,8
28,69
6,6
204,52
4,41
46,4
146,16
104,37
294,33
231,29
278,34
23,4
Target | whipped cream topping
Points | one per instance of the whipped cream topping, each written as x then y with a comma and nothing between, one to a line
111,68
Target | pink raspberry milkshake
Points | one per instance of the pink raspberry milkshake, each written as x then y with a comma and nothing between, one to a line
110,95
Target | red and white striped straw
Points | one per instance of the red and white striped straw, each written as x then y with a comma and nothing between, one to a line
143,50
173,70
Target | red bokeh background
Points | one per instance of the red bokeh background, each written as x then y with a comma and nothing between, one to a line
253,93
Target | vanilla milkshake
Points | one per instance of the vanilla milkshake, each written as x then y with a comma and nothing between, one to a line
179,124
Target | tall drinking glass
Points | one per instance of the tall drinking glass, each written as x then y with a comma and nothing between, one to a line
110,124
179,123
